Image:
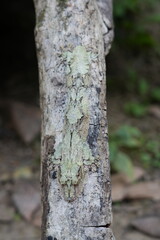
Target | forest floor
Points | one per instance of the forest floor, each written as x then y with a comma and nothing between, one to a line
20,191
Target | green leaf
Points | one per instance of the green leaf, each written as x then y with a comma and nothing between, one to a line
113,150
127,131
121,8
143,87
128,136
155,18
132,143
156,163
153,147
155,94
135,109
146,159
123,164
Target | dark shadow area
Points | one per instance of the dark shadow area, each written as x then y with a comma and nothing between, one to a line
19,124
19,76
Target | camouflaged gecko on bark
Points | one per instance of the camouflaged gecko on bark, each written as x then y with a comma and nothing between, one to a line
73,154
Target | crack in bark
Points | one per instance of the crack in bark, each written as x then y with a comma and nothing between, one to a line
100,226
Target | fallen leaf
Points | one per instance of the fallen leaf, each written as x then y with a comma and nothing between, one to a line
137,174
149,225
3,196
120,183
156,208
118,191
155,111
26,120
134,235
123,178
144,190
26,198
22,172
37,218
5,177
6,212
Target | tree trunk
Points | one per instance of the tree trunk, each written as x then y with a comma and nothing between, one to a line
72,37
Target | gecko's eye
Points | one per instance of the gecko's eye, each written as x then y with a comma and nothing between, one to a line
54,175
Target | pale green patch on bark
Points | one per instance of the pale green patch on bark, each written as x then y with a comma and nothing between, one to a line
71,155
78,61
74,114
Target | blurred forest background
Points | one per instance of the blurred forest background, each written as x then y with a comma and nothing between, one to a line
133,99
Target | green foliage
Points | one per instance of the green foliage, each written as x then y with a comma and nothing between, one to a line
155,94
128,136
128,143
143,90
120,161
132,79
155,18
145,159
131,29
145,95
140,39
135,109
153,147
150,156
123,164
125,138
136,47
121,8
143,87
137,40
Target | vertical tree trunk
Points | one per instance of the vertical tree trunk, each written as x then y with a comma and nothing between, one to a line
72,37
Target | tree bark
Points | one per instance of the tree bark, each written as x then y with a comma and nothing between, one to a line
72,37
